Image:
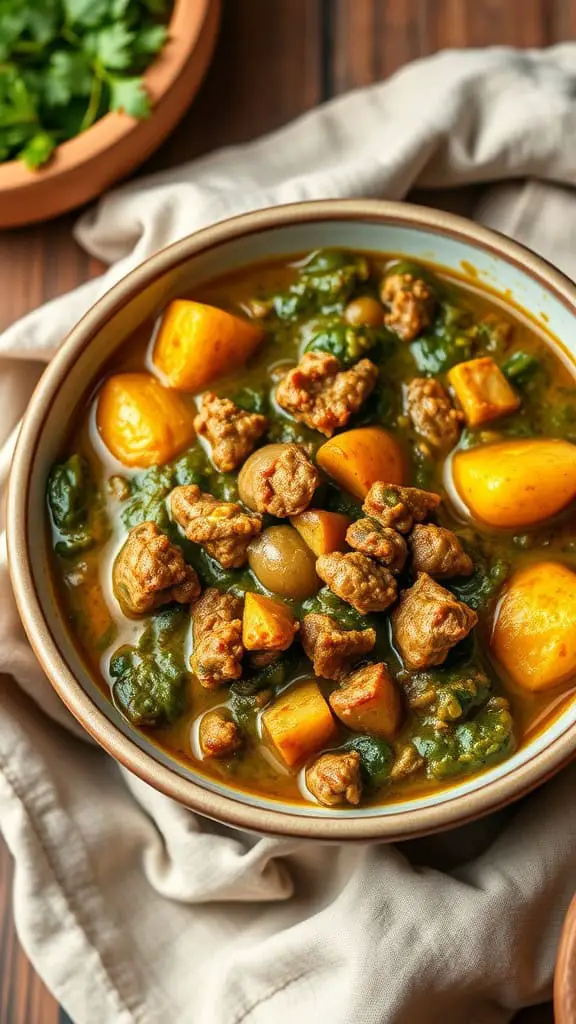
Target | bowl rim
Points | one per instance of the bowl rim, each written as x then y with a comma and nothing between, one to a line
450,812
184,29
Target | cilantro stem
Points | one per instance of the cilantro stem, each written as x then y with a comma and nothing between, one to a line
94,102
25,46
70,36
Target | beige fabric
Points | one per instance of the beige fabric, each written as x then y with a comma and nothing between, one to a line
132,909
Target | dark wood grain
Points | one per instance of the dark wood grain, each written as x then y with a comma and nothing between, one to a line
275,59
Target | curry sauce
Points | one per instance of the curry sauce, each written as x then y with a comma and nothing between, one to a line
375,382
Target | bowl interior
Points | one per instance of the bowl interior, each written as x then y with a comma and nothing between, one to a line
178,270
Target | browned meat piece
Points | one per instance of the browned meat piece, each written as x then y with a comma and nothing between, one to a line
335,778
428,622
407,761
369,702
410,305
231,431
438,552
219,736
380,542
399,507
279,479
364,584
222,527
217,635
432,413
320,394
150,571
333,650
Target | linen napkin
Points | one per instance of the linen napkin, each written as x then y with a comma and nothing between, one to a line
136,911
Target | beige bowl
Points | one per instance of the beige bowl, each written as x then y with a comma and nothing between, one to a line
378,226
87,165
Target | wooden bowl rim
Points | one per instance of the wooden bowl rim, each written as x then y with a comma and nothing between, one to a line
565,973
184,30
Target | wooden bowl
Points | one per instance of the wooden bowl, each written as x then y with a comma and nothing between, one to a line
565,974
89,164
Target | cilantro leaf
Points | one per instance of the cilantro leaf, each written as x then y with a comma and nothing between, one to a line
111,45
87,13
119,8
17,105
43,19
12,26
151,39
68,74
129,96
38,150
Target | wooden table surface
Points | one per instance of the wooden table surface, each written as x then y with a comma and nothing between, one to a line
274,60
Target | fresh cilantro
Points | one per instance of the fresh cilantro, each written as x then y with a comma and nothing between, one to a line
150,40
66,63
68,74
129,96
38,150
111,45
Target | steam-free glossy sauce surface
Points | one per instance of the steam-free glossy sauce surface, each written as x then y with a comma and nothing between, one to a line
456,716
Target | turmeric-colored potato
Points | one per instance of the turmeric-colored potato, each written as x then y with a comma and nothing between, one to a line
482,390
369,701
534,635
516,483
142,423
197,343
268,624
358,458
322,531
298,723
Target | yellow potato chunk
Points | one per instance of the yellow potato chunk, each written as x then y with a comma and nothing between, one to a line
482,390
268,624
369,702
358,458
142,423
197,343
322,531
516,483
298,723
534,635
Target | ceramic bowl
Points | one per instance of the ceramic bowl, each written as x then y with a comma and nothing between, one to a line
89,164
414,231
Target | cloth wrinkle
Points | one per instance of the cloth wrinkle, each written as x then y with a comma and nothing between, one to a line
70,896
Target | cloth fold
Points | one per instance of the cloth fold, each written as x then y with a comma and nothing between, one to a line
132,909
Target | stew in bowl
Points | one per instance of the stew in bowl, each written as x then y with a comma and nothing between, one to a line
313,531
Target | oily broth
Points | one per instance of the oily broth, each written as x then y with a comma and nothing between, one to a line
98,626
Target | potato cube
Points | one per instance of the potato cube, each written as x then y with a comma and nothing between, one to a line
369,702
298,723
357,458
197,343
268,624
142,423
533,635
322,531
482,390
